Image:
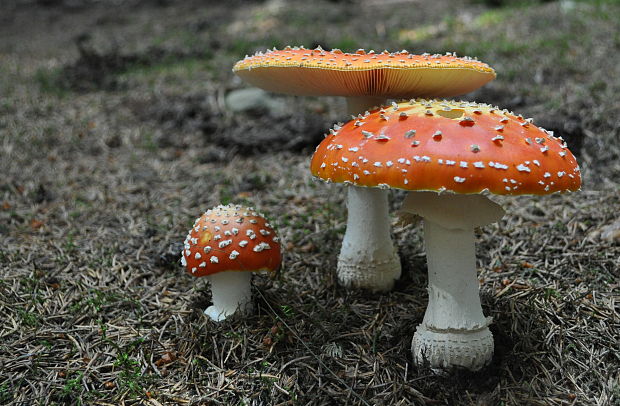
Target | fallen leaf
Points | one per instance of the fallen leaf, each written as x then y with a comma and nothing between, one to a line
36,224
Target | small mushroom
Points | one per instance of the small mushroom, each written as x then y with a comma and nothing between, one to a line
226,244
448,178
366,79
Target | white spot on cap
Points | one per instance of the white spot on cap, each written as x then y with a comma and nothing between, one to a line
197,255
459,180
367,134
225,243
260,247
233,255
213,259
243,243
523,168
479,164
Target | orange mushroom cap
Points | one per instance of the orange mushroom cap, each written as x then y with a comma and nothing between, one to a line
461,147
318,72
231,238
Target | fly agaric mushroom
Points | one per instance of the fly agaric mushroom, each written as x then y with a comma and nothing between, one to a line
226,244
448,154
366,79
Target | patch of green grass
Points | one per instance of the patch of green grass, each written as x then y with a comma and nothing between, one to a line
347,44
5,394
73,387
501,45
49,81
131,377
97,301
492,17
287,310
550,292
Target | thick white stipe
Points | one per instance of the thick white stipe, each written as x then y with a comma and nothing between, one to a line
231,292
367,257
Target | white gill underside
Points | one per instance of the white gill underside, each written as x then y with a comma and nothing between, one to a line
231,292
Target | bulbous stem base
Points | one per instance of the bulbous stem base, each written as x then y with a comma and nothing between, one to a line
444,350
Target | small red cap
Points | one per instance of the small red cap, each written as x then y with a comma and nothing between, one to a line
231,238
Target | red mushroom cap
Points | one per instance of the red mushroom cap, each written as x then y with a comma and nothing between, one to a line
231,238
461,147
318,72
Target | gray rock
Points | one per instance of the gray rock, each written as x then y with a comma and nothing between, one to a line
254,100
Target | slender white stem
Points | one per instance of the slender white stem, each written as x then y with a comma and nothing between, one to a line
368,258
231,292
454,331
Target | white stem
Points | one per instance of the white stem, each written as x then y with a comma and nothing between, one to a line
231,292
368,258
454,331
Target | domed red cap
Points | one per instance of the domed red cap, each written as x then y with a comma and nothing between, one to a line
461,147
231,238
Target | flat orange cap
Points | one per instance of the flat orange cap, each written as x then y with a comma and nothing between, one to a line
231,238
318,72
461,147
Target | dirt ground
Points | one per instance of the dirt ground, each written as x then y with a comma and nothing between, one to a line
115,135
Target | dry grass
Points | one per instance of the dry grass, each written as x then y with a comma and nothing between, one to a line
98,190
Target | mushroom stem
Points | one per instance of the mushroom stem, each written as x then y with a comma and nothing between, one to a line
454,332
367,257
231,292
